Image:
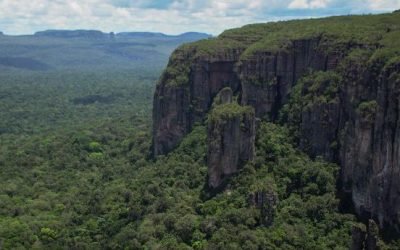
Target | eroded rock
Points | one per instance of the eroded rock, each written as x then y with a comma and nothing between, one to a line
231,138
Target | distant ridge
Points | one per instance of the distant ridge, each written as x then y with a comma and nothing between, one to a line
72,34
141,34
81,49
96,34
194,34
190,35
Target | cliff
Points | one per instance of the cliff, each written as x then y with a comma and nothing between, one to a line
334,82
231,137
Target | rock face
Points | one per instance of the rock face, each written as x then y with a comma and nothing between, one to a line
267,78
231,138
365,237
358,234
341,98
179,105
359,129
369,145
266,201
264,82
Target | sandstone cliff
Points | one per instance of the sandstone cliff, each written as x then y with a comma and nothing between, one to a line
335,82
231,137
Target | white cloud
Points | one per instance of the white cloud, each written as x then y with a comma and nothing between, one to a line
182,15
308,4
298,4
383,5
168,16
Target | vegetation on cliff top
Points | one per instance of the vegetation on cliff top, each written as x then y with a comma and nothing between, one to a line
334,33
229,111
367,110
377,33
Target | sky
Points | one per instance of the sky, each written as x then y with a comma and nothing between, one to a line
170,16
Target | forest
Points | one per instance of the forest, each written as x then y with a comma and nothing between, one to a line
77,172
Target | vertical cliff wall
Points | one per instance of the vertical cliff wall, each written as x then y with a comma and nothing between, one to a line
369,144
351,117
336,88
190,82
231,137
186,92
267,78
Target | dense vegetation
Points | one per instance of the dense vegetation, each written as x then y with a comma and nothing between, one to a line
75,174
61,134
382,31
370,39
92,187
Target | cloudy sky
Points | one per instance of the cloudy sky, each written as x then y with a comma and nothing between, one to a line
169,16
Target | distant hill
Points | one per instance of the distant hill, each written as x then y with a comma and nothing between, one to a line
96,34
141,35
194,35
89,50
71,33
188,35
